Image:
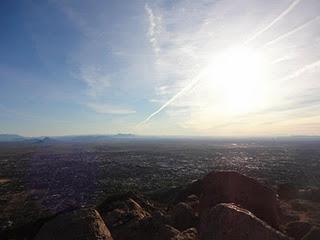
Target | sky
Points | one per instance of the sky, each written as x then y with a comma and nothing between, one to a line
163,67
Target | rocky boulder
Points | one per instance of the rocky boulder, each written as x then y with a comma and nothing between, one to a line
85,224
194,188
188,234
184,216
229,222
165,232
313,234
123,219
124,212
193,201
232,187
298,229
117,201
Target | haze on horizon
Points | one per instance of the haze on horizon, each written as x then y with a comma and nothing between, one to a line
219,68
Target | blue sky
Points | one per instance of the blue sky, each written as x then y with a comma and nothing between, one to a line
244,67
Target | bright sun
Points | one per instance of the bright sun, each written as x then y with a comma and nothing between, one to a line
239,76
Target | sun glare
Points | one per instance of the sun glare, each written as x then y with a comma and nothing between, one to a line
237,75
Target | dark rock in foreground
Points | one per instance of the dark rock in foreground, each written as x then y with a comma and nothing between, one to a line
229,222
221,206
184,216
79,224
124,219
298,229
128,220
232,187
314,234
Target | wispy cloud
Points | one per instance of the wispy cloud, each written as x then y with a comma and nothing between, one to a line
110,109
190,47
164,56
96,81
154,28
98,61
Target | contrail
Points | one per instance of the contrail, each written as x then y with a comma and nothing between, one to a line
277,19
193,82
302,70
293,31
196,79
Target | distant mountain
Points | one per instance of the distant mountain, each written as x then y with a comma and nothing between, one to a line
125,135
83,138
11,138
70,138
93,138
44,140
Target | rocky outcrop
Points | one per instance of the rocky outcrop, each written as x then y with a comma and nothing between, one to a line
313,234
124,212
184,216
123,218
167,232
195,188
188,234
298,229
85,224
221,206
113,202
229,222
232,187
128,220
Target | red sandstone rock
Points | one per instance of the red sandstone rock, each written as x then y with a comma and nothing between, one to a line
229,222
81,224
297,229
165,232
184,216
188,234
314,234
232,187
124,220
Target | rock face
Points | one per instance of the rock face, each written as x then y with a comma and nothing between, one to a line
167,232
128,220
188,234
125,212
232,187
184,216
229,222
298,229
314,234
195,188
221,206
123,219
85,224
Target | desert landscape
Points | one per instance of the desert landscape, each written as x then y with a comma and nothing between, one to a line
40,179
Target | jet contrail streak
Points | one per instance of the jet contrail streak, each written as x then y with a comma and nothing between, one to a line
194,81
277,19
293,31
302,70
198,77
